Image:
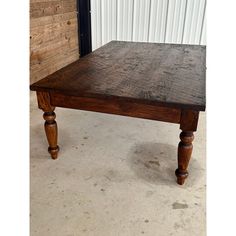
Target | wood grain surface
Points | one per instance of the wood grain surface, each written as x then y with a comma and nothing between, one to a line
117,107
53,36
170,75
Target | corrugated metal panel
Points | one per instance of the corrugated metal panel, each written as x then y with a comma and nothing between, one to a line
158,18
141,13
175,21
96,23
193,22
203,34
170,21
124,19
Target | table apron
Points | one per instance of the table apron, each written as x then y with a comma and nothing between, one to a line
118,107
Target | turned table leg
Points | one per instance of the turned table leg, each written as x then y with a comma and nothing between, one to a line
50,124
188,124
184,154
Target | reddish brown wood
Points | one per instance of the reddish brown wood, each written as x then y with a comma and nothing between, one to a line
189,120
50,124
44,101
184,154
118,107
188,124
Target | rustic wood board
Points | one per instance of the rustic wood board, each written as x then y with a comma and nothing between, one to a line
48,8
53,36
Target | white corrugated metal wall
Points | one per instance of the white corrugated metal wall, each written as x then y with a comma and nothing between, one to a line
170,21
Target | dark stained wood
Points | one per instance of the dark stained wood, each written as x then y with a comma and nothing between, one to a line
118,107
50,127
188,124
164,82
189,120
50,124
162,74
44,102
184,154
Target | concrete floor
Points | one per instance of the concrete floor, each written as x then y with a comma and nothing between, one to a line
114,176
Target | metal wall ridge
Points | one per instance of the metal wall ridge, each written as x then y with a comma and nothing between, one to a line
163,21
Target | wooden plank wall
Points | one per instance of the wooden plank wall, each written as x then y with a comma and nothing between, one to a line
53,36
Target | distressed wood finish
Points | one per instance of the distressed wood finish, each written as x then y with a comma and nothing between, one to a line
184,154
53,36
118,107
48,8
163,74
50,124
189,120
164,82
188,124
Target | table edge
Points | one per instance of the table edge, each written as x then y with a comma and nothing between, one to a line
195,107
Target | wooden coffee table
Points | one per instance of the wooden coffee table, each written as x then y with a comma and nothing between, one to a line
163,82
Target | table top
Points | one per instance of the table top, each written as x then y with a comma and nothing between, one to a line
154,73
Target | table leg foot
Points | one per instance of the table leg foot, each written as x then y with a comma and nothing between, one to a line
50,126
184,154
